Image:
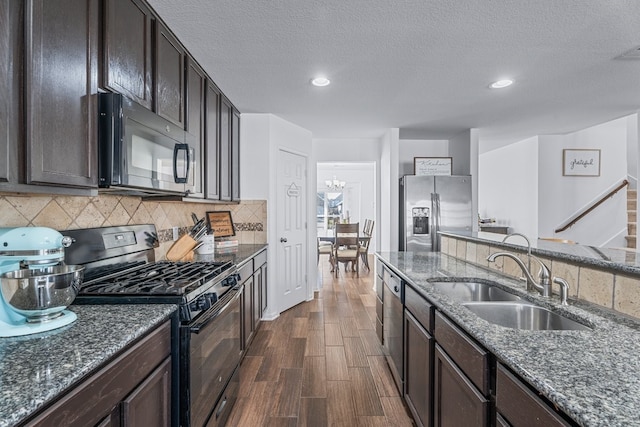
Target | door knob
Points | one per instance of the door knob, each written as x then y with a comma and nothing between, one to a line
283,240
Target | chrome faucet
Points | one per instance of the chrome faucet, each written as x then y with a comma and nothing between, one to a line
543,285
528,246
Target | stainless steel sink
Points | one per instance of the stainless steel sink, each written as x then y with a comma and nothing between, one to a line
521,315
473,291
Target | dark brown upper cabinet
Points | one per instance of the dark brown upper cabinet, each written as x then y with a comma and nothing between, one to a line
226,112
169,76
195,123
128,50
212,146
235,155
61,82
11,30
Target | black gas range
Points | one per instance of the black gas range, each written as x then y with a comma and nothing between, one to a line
120,268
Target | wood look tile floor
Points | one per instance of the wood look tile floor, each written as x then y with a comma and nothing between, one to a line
320,363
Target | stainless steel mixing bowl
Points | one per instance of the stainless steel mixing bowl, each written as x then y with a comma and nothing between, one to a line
41,294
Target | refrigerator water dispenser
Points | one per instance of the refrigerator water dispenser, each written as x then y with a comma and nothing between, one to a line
420,217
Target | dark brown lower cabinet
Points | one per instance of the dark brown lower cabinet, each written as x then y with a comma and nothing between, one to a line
134,389
457,401
418,386
517,405
247,312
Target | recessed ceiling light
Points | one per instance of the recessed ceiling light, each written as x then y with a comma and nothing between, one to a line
320,81
501,83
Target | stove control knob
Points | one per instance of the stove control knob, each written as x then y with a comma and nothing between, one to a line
211,297
201,303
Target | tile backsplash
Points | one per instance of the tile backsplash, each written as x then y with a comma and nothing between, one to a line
72,212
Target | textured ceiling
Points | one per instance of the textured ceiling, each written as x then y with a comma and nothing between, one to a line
423,66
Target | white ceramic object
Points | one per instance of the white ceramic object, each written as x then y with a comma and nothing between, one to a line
208,245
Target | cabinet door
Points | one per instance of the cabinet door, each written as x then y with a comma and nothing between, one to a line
61,84
520,406
169,76
195,101
257,297
150,403
457,402
247,313
235,155
263,292
10,71
127,50
225,149
418,384
212,147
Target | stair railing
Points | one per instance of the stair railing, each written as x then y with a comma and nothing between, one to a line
594,205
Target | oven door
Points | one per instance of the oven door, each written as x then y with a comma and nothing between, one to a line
214,354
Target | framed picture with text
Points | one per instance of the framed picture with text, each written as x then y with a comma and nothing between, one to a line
580,162
220,223
432,165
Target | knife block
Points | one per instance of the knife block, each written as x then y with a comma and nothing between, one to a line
181,249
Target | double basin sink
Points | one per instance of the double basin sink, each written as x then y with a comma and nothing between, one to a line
497,306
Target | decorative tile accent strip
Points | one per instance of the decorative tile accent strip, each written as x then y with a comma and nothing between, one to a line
248,226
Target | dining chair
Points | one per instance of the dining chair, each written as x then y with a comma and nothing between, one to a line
324,248
346,248
364,244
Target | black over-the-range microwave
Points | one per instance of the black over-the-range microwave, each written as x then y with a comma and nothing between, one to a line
141,152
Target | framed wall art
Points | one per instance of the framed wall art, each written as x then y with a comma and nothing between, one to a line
432,165
220,223
580,162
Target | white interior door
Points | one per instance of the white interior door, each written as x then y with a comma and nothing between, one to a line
291,283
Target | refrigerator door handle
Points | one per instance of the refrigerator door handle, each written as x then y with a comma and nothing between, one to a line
433,227
437,220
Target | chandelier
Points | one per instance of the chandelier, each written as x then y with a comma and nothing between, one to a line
334,184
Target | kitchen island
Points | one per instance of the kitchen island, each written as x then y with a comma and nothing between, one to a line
36,369
591,376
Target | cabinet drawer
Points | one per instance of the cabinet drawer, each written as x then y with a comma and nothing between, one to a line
472,359
421,309
245,271
260,259
379,312
520,406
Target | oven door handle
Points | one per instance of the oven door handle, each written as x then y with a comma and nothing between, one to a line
211,314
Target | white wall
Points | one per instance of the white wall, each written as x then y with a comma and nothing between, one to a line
632,149
460,151
410,148
508,186
561,197
522,185
254,157
266,134
389,183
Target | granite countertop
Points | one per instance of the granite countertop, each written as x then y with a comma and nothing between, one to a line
34,369
236,254
593,376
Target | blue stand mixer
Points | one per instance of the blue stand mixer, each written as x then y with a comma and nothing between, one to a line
36,286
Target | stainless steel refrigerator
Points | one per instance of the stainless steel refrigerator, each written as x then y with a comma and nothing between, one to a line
429,204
